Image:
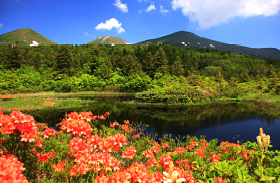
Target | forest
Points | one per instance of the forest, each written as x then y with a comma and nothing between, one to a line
154,70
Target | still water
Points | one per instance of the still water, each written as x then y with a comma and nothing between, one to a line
231,122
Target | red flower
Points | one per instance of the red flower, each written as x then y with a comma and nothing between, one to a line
215,158
39,142
126,121
129,153
194,143
101,117
11,169
190,147
137,135
76,125
59,167
114,124
106,114
164,145
219,180
155,149
165,161
48,132
44,157
27,136
120,139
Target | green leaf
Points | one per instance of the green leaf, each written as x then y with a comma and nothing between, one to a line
239,174
251,181
265,178
277,170
204,175
258,172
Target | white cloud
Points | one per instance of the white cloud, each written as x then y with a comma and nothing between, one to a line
151,7
1,25
120,30
112,23
140,11
91,35
208,13
162,10
122,7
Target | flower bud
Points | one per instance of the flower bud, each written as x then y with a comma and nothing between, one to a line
259,139
261,131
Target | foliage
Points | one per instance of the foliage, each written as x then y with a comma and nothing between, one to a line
135,68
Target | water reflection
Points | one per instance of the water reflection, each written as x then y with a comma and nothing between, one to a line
227,122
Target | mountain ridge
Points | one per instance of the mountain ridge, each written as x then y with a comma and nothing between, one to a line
108,40
25,36
192,40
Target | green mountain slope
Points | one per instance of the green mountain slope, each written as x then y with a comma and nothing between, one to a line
24,36
195,41
108,40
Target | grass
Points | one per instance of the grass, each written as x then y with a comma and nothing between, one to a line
39,102
68,94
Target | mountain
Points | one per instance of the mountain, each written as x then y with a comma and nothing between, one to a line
108,40
192,40
24,36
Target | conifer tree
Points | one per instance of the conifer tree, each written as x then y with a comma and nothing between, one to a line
177,67
15,57
131,65
148,65
63,60
37,61
161,62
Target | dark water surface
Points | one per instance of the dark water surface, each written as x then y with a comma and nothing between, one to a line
227,122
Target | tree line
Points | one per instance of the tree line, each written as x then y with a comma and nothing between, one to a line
145,61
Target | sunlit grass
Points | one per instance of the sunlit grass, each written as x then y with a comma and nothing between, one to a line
40,102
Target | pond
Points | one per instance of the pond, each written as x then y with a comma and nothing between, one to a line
233,122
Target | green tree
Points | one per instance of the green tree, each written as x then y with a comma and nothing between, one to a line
219,76
269,72
244,77
63,60
104,71
15,57
211,71
37,61
161,62
2,58
131,65
148,65
118,61
177,67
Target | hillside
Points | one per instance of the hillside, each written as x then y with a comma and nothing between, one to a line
192,40
108,40
25,37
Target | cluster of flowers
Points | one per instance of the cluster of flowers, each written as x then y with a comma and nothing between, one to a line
20,124
11,170
92,152
6,96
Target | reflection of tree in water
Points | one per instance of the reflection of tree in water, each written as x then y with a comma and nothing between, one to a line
194,115
159,118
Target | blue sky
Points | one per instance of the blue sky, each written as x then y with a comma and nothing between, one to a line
251,23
